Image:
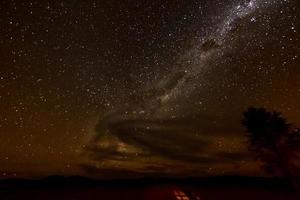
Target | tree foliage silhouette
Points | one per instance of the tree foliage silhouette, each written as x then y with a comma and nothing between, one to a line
273,140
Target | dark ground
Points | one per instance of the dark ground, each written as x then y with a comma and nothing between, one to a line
78,188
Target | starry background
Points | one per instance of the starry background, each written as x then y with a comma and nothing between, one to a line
141,88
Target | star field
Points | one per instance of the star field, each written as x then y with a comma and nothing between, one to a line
109,88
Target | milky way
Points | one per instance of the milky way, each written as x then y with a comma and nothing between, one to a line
188,116
153,88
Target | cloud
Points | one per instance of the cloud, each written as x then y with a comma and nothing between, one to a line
173,139
136,138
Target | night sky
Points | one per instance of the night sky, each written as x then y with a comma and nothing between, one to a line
141,88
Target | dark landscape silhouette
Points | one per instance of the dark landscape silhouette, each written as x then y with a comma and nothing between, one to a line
76,187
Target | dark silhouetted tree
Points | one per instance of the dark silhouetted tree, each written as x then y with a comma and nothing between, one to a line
273,140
